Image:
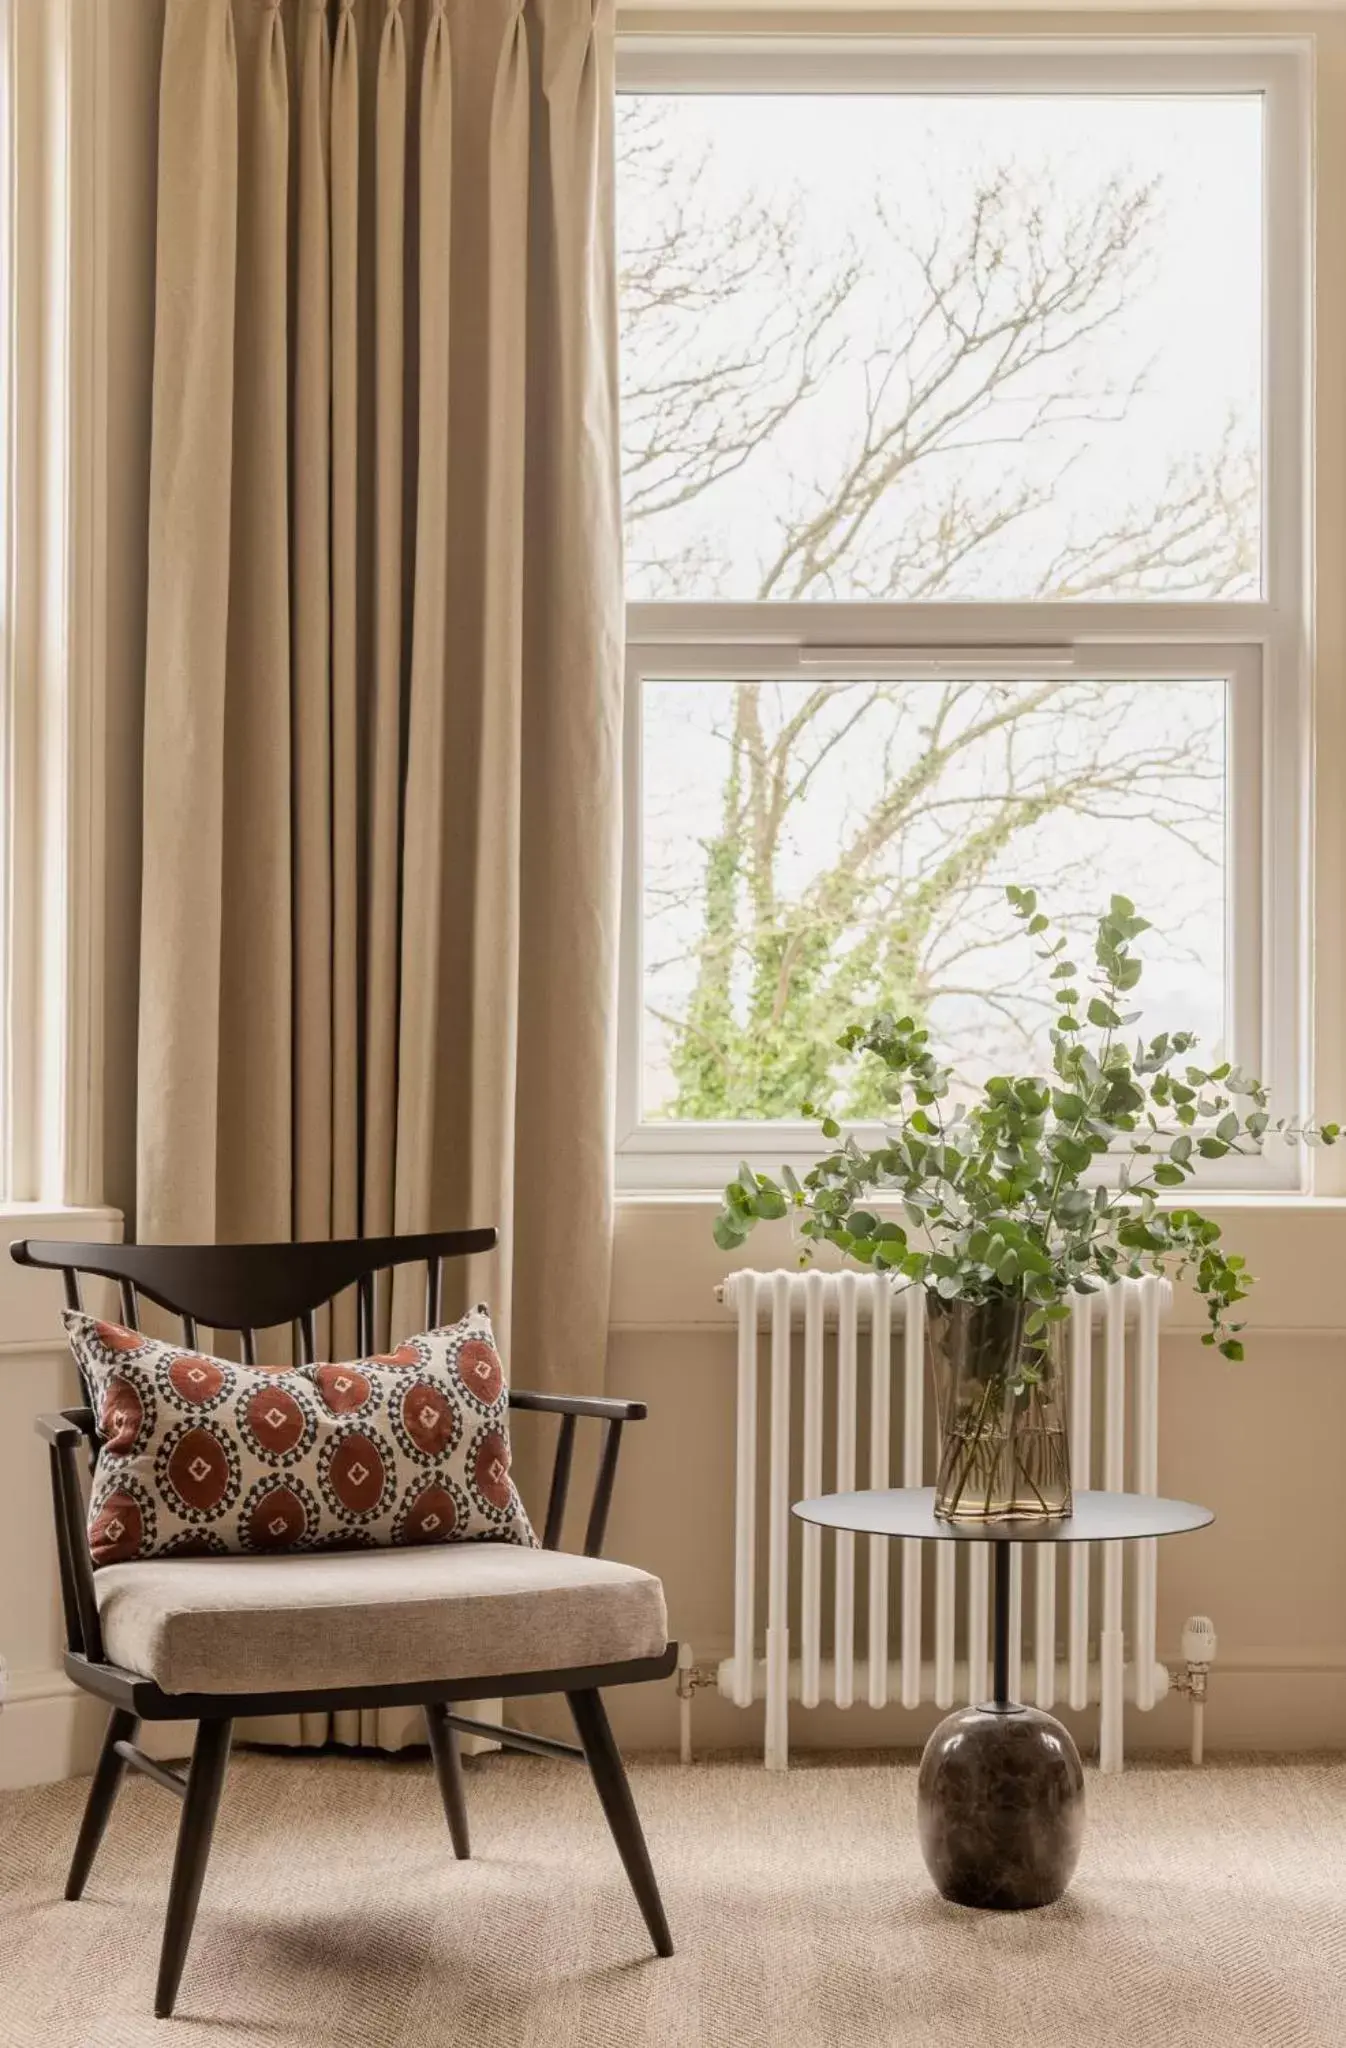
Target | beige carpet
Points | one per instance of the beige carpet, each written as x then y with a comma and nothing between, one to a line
1209,1911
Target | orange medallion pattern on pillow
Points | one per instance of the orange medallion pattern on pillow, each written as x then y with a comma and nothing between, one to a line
200,1457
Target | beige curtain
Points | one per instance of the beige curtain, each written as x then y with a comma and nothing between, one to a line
383,664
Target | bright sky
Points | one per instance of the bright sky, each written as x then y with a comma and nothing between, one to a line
883,171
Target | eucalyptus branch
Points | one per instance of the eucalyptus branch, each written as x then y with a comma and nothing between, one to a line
995,1199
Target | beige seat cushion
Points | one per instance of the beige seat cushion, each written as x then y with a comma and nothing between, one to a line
378,1617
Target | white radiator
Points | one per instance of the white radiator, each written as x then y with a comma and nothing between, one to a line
878,1357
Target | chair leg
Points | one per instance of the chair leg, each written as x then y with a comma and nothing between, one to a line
205,1780
447,1753
609,1776
107,1778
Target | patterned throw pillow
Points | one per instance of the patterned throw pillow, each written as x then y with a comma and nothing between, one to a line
202,1458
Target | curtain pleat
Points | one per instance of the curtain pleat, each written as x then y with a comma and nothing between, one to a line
191,473
426,873
254,1089
390,1728
569,804
345,846
311,683
385,724
383,684
497,564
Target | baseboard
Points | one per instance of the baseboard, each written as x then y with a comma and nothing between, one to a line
1260,1700
49,1729
1276,1701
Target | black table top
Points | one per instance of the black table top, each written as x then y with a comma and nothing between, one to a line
1098,1518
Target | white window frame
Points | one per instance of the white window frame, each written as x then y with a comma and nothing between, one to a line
53,412
1262,645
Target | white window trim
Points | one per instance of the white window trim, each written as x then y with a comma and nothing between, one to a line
1263,645
53,357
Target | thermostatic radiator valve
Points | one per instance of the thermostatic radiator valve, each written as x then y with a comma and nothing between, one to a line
690,1677
1198,1648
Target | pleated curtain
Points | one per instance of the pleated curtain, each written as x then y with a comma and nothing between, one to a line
382,707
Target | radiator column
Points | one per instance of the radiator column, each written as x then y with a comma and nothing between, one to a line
1111,1641
778,1552
913,1452
811,1536
1081,1459
1145,1552
745,1496
880,1389
843,1639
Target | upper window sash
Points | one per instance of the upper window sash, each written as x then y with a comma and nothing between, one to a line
1279,69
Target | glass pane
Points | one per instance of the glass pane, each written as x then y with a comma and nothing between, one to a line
901,347
817,851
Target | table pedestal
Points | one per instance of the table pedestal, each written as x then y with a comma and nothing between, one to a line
1001,1789
1000,1798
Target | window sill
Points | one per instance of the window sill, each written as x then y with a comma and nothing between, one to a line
54,1219
1275,1201
666,1264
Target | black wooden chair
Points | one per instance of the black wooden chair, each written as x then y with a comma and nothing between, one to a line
247,1288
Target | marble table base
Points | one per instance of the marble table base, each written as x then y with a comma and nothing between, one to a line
1000,1803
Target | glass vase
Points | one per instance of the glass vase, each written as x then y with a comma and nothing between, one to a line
1004,1450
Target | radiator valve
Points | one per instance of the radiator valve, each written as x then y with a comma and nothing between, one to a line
691,1677
1198,1648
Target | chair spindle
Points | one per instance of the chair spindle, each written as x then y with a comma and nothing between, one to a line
75,1300
560,1484
130,1304
364,1315
432,1291
69,1601
607,1474
249,1338
81,1566
189,1336
308,1337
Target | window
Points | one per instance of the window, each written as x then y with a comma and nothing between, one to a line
52,361
963,443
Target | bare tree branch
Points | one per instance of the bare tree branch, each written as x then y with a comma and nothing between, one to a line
890,394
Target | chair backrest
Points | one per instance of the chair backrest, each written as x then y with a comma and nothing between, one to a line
252,1287
243,1287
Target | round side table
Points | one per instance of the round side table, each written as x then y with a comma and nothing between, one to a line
1000,1798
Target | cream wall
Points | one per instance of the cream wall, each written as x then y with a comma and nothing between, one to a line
1264,1443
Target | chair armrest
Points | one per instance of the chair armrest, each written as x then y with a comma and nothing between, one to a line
596,1405
66,1430
614,1415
